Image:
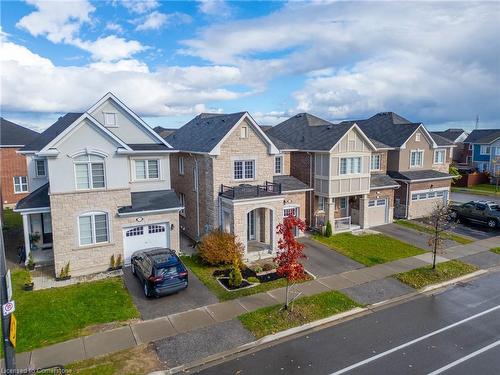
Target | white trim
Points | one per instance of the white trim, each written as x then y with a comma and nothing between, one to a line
423,179
379,161
36,160
384,187
239,202
115,125
421,165
296,191
244,161
92,215
427,134
146,159
89,150
20,184
282,159
429,190
37,210
148,212
89,163
434,157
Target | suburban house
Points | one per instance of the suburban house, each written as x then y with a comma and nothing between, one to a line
457,136
484,150
14,174
346,169
100,186
230,175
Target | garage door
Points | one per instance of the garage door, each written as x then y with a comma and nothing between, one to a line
378,212
145,237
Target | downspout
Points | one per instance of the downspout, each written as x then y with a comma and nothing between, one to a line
197,187
407,199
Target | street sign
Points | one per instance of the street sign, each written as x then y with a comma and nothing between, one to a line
8,308
9,285
13,330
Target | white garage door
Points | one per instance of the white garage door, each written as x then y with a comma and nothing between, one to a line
145,237
378,212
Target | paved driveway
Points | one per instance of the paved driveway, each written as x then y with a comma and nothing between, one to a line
322,261
466,197
409,236
196,295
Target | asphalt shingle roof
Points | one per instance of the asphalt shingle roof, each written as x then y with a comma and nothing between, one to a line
12,134
450,134
440,140
151,201
148,146
378,180
483,136
51,132
164,132
36,199
290,183
204,132
427,174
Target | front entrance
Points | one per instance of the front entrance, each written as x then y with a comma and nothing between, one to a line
295,212
145,237
259,227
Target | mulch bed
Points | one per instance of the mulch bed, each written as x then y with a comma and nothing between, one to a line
248,272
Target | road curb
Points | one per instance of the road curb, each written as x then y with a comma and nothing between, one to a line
452,281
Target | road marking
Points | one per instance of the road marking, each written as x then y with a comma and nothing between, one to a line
466,358
395,349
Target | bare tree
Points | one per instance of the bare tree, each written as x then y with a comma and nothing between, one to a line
440,221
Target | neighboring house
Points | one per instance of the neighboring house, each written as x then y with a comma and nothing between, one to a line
484,148
457,136
346,169
230,175
100,187
14,174
164,132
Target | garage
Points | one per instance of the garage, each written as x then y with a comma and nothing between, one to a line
145,237
378,212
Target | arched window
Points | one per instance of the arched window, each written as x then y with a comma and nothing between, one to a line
93,228
89,172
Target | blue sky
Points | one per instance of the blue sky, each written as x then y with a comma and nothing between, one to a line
431,62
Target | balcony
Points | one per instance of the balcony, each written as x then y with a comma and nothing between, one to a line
246,191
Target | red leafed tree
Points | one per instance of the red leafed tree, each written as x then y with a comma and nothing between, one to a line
289,252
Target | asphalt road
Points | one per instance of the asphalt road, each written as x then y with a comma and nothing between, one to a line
466,197
452,332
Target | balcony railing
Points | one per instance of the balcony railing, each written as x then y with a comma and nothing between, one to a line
343,223
246,191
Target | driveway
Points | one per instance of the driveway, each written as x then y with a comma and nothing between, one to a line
477,231
196,295
410,236
466,197
322,261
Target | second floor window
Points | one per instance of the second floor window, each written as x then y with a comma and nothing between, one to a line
244,170
350,165
485,150
20,184
40,169
416,158
375,162
93,228
181,165
278,165
147,169
89,172
439,156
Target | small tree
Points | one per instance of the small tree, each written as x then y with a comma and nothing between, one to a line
328,229
235,277
440,221
453,170
218,247
289,253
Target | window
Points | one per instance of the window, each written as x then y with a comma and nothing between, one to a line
244,132
147,169
40,170
381,202
89,172
371,203
497,151
109,119
427,195
439,156
321,203
93,228
375,162
182,199
350,165
20,184
417,137
470,146
180,164
137,231
416,158
244,170
278,165
485,150
195,178
156,229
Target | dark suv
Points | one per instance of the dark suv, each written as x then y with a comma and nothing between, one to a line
482,211
160,271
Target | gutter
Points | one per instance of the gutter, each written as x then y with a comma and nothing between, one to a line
136,213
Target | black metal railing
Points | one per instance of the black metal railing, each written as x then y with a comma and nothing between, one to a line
245,191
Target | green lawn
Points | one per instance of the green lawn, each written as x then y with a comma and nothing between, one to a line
53,315
495,250
425,229
485,189
204,273
369,249
420,277
272,319
12,219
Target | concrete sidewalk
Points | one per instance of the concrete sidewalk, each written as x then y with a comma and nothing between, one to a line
151,330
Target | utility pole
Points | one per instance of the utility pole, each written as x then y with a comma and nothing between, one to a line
8,349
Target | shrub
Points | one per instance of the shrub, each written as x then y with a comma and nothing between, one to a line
112,261
235,278
328,229
258,269
268,267
252,279
119,261
217,248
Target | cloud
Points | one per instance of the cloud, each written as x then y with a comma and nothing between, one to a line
215,8
110,48
114,27
156,20
139,6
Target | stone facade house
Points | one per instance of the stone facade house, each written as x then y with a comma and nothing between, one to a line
13,170
105,190
230,175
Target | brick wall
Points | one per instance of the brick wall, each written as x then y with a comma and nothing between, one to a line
11,164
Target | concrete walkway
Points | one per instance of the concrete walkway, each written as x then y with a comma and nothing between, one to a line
150,330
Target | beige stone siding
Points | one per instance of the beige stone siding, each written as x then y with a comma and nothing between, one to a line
65,210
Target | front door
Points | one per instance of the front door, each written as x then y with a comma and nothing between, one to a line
251,224
344,206
295,212
47,228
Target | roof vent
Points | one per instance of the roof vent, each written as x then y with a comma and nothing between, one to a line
299,115
329,127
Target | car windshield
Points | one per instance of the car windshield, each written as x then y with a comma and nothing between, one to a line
494,207
167,271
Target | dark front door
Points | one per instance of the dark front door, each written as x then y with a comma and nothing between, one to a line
47,228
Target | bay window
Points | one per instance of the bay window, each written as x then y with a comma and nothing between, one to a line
89,172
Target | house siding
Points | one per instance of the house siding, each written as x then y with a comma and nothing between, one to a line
12,164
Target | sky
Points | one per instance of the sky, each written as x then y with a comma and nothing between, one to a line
431,62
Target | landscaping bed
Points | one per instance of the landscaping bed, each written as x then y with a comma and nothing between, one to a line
369,249
272,319
426,229
58,314
424,276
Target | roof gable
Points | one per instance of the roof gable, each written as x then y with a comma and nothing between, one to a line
12,134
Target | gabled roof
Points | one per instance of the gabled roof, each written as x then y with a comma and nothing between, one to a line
12,134
485,136
440,140
51,132
450,134
36,199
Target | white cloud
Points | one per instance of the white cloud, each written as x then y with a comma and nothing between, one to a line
111,26
139,6
126,65
215,8
156,20
110,48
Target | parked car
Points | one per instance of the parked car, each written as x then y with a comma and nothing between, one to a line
481,211
160,271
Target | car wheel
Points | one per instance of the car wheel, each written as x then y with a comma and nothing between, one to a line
146,289
132,268
492,223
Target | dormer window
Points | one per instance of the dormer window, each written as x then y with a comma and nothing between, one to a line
110,119
244,132
417,137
